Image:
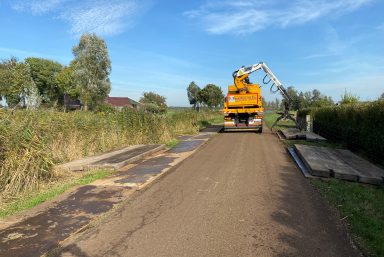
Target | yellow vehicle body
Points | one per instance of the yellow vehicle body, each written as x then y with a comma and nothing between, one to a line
243,109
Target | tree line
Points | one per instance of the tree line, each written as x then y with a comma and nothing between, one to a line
211,96
314,98
38,81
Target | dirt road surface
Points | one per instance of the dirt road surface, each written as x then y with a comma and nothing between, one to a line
239,195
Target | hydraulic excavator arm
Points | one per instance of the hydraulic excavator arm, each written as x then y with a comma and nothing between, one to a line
240,79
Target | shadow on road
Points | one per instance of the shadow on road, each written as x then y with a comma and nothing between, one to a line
314,229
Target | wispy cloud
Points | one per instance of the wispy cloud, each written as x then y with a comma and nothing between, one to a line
248,16
37,7
103,17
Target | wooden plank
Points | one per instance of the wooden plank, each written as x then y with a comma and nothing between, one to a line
313,160
339,163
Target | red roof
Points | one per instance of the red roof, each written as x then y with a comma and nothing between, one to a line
118,101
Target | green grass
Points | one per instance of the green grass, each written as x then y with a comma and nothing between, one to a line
362,206
270,118
218,120
172,143
41,196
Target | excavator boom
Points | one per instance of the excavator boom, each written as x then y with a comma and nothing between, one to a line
245,89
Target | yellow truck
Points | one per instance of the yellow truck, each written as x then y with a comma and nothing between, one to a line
243,107
243,110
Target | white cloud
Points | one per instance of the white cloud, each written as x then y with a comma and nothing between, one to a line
103,17
247,16
37,7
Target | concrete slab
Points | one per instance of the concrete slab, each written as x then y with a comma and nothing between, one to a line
313,161
114,159
366,171
294,133
122,159
339,163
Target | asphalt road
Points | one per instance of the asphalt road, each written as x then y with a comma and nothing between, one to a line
239,195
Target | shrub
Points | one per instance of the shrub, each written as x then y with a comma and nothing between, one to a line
359,126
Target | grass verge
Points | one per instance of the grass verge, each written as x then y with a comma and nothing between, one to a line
362,206
172,143
49,192
270,118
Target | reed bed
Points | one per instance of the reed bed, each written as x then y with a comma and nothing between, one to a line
33,142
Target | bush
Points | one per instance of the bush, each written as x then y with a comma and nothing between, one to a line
359,126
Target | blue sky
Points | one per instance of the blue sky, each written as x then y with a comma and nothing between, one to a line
162,46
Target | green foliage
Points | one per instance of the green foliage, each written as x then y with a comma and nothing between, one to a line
193,91
44,73
212,96
363,208
92,68
15,82
358,126
349,98
65,80
153,103
270,118
302,100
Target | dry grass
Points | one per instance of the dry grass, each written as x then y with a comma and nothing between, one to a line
32,142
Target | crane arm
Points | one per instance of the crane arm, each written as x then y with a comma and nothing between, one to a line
244,72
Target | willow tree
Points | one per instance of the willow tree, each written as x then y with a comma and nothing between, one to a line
92,69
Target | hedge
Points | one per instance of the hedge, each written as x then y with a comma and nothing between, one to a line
358,126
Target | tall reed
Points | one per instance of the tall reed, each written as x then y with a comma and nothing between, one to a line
32,142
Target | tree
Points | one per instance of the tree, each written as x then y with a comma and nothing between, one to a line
44,73
212,96
295,100
65,80
349,98
193,94
381,97
92,69
153,102
15,82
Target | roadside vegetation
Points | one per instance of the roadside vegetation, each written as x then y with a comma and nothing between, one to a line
359,126
33,142
49,191
360,206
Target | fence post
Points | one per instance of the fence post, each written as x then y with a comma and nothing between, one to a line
309,123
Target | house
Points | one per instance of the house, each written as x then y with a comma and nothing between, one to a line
121,102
